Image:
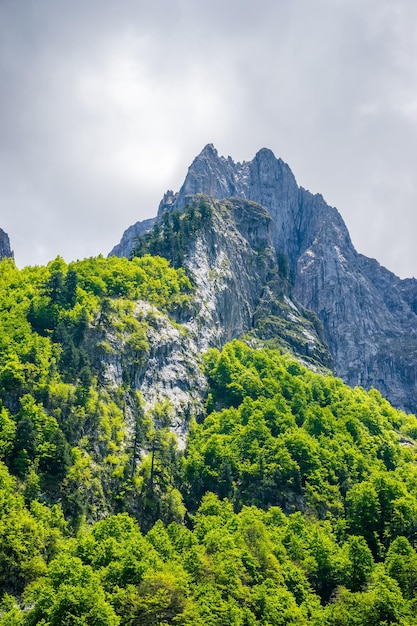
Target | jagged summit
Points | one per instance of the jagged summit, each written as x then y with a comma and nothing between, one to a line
5,249
221,177
265,153
209,150
266,180
369,314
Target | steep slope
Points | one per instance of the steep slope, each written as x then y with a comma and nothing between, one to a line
93,370
101,360
368,314
227,249
5,250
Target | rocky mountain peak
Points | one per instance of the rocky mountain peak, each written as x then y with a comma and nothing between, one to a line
266,171
209,151
212,175
368,314
5,249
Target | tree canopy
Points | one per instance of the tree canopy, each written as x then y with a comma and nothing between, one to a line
294,499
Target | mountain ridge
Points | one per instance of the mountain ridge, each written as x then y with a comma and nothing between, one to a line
368,314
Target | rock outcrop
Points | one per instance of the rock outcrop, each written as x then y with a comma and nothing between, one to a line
124,248
239,290
368,314
5,250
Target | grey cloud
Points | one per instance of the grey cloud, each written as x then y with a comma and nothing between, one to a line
104,105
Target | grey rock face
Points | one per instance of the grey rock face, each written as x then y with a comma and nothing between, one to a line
211,175
169,370
229,274
239,287
369,315
238,291
5,250
124,248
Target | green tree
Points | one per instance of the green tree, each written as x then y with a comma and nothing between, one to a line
363,514
401,564
70,594
357,563
24,446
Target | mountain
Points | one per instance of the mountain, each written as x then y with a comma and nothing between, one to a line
239,290
368,314
148,478
292,500
5,250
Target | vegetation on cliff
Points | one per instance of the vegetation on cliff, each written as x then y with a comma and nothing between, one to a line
170,236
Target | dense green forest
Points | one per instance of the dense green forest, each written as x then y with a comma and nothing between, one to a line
294,499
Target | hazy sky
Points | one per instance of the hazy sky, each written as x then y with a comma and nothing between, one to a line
104,105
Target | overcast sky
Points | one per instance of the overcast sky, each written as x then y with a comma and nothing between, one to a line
105,104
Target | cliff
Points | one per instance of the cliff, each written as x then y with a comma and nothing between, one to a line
368,314
5,250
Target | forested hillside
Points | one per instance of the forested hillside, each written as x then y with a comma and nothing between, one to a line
293,498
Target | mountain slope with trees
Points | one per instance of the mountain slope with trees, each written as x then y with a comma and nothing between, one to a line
368,314
166,457
293,499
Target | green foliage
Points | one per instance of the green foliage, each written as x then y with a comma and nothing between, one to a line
71,593
294,501
169,236
279,435
63,430
27,537
282,435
